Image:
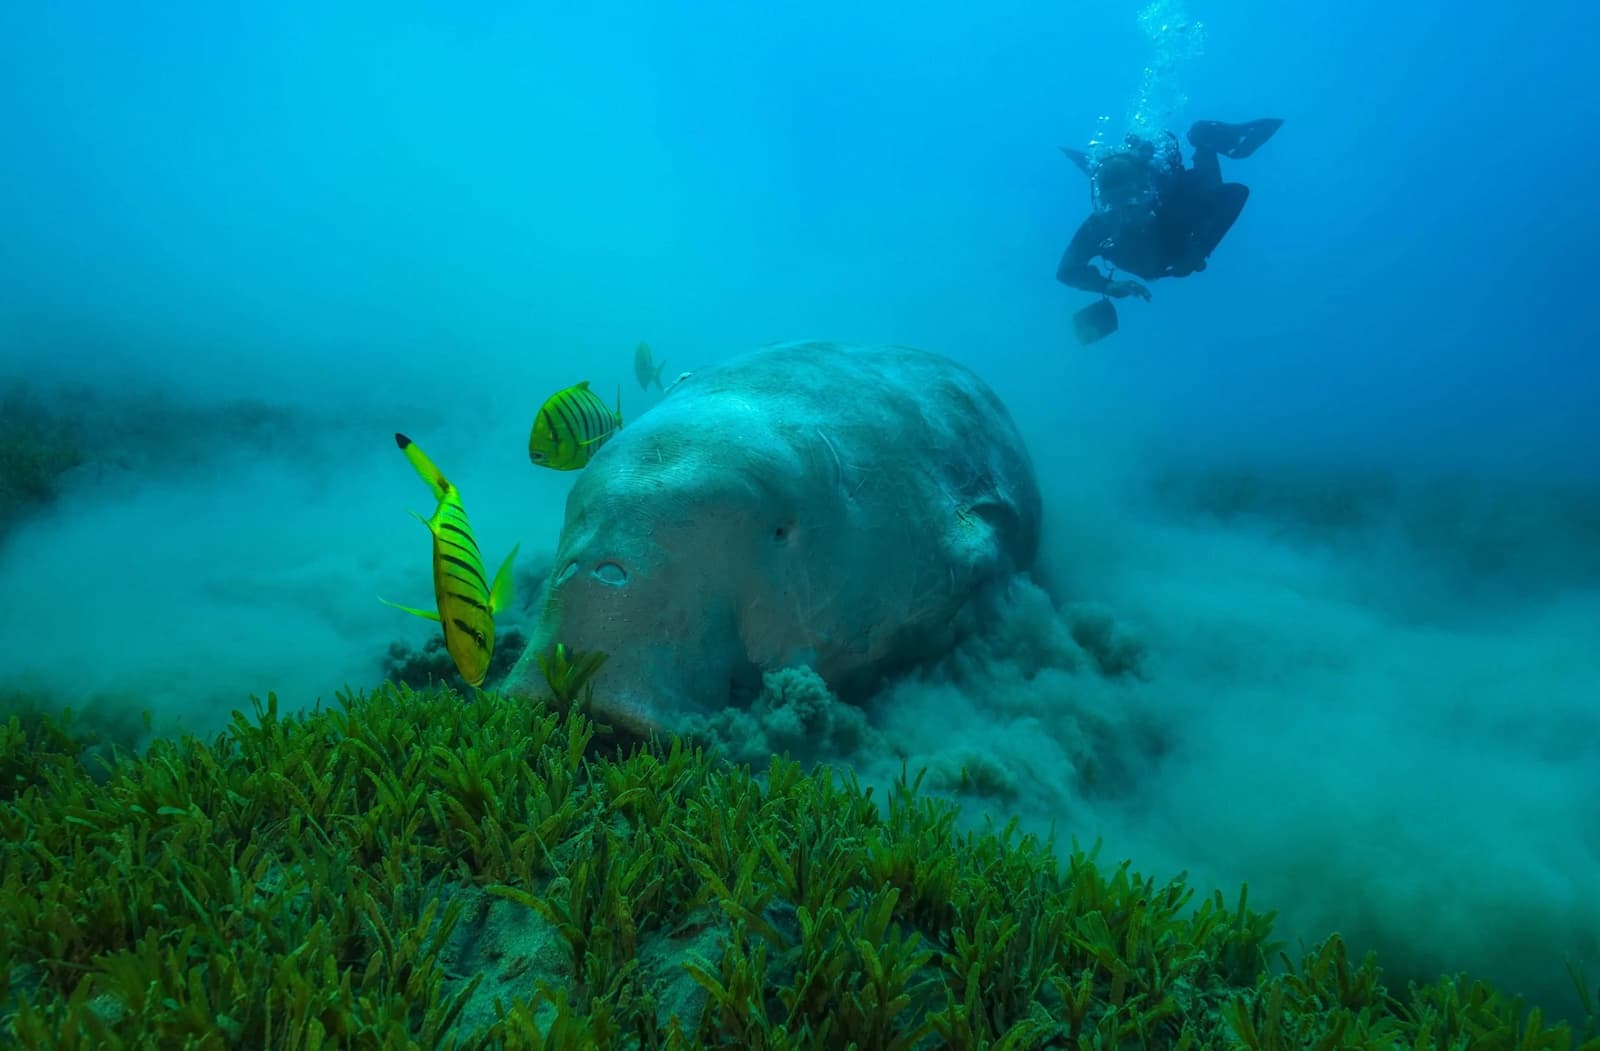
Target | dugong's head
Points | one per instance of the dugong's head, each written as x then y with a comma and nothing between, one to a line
672,534
808,503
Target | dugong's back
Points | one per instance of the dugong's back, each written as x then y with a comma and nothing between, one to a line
813,503
913,412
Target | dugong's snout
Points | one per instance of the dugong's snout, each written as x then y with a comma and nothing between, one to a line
605,597
608,571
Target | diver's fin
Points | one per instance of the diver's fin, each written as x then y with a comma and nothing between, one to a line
1077,157
500,594
1212,220
427,613
1237,141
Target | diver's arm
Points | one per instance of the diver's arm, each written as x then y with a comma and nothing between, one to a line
1076,269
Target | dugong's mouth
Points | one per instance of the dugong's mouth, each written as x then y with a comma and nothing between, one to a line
616,718
632,718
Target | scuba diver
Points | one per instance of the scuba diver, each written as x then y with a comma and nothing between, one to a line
1152,217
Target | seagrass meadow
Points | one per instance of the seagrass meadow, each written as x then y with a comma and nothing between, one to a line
413,869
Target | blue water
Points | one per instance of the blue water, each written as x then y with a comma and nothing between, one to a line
403,216
374,183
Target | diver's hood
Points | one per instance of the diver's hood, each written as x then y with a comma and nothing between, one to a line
1137,181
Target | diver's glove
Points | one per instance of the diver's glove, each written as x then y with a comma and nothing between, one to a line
1123,289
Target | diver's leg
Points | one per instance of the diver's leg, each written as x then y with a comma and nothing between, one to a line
1206,173
1237,141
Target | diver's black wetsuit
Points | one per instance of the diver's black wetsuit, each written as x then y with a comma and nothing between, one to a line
1194,208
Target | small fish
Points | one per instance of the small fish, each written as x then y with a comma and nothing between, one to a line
571,426
467,601
646,367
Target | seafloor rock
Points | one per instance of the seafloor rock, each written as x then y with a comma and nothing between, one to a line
808,503
419,668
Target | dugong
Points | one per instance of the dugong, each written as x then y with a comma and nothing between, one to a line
807,503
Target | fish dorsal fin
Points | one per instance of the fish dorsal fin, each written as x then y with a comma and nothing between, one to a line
500,594
582,385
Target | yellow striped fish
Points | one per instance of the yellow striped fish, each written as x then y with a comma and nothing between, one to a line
467,602
571,426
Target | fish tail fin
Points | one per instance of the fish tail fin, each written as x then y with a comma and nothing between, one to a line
424,466
500,594
657,376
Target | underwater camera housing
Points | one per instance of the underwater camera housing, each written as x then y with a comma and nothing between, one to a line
1095,321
